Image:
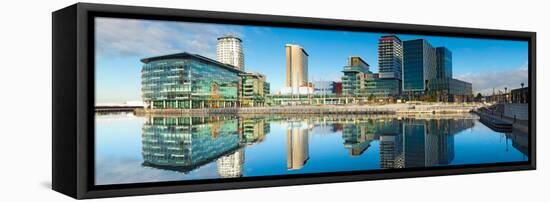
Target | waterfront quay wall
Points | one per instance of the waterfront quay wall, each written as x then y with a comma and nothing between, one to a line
400,109
518,110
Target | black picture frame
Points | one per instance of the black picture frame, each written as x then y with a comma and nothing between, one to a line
73,99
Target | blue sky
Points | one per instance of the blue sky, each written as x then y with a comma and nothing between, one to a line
120,43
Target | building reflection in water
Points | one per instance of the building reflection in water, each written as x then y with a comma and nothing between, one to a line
414,143
405,142
431,142
185,143
520,141
357,137
254,129
297,144
231,165
391,144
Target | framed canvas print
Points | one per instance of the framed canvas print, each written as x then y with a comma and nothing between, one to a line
154,100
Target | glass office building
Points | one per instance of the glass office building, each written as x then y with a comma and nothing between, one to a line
185,143
444,63
357,137
460,91
254,130
254,90
419,66
450,90
443,87
383,88
186,81
439,86
359,81
353,81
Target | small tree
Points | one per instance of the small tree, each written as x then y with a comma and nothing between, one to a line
371,97
479,96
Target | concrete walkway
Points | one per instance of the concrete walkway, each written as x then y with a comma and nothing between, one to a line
521,125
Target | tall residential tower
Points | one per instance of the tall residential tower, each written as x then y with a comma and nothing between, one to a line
390,57
230,51
296,68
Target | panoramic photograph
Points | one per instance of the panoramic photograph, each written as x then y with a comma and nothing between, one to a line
182,101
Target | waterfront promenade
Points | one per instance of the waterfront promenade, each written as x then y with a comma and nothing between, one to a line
519,125
400,109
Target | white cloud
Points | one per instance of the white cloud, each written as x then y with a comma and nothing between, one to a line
145,38
485,82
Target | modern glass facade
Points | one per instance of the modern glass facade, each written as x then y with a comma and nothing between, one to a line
444,63
359,81
185,143
443,87
439,89
254,130
450,90
383,88
439,86
460,91
419,66
186,81
357,138
353,80
254,89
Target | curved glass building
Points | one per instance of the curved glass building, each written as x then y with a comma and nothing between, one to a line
189,81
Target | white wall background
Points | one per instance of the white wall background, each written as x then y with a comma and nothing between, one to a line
25,91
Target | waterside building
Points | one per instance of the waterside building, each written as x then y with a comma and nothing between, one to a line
189,81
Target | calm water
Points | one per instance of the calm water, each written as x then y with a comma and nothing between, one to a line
131,149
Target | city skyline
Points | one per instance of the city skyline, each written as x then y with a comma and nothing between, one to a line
118,66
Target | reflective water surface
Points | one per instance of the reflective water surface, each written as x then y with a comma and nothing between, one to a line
132,149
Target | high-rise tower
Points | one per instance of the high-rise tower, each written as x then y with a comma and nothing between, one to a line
296,67
230,51
296,71
419,66
390,57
